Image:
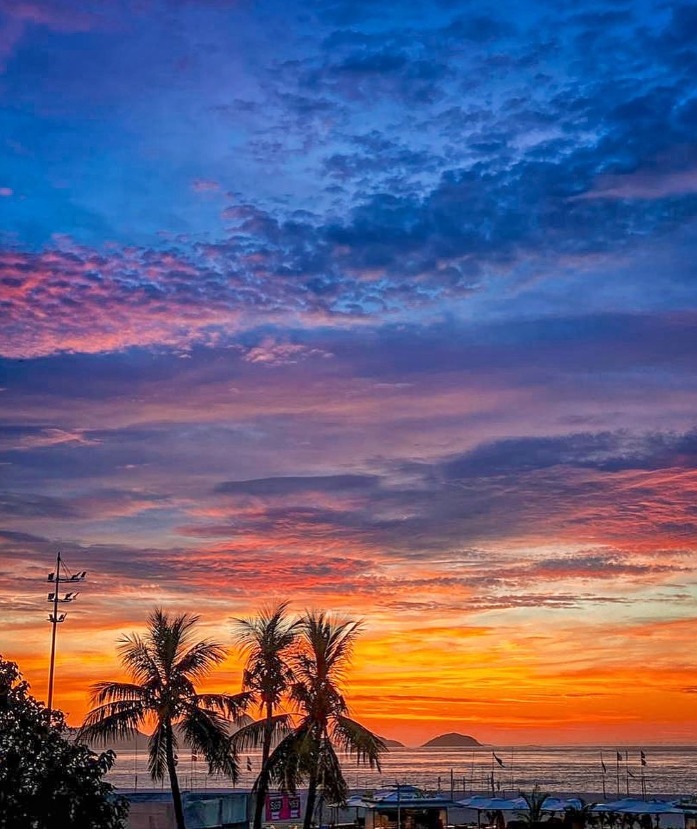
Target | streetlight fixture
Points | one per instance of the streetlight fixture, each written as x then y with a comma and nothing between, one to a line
61,576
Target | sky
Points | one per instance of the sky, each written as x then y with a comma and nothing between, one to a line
388,309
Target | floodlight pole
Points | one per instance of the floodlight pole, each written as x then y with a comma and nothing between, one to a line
55,618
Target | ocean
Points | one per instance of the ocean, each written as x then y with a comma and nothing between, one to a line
669,770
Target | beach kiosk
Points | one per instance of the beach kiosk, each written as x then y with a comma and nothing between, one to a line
402,807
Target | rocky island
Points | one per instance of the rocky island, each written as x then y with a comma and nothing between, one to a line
451,740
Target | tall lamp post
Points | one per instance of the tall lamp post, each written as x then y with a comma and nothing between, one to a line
59,577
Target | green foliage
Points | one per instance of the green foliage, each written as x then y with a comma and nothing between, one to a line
46,780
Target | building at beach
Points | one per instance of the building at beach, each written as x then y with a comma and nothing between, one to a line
401,807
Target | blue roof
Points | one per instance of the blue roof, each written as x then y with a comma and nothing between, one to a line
404,796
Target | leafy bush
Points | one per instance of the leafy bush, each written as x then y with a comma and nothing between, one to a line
46,780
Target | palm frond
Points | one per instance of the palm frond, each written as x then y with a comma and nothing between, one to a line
200,659
113,720
329,640
265,640
138,659
254,633
290,762
534,800
207,732
356,740
232,705
157,752
252,735
102,692
167,637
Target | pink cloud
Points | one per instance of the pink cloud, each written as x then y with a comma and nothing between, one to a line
649,183
56,15
56,437
272,353
203,185
130,297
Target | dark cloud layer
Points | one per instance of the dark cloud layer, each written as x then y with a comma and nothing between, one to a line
292,485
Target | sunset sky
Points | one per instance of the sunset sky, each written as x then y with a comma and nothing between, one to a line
386,308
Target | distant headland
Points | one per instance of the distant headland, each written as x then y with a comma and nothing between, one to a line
450,740
392,743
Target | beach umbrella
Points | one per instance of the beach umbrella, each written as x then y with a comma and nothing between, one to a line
558,804
493,804
632,806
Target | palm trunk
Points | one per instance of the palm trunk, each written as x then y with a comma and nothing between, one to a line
173,780
263,781
311,797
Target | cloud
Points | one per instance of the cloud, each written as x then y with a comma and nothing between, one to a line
600,565
295,484
611,451
271,353
54,437
204,185
34,505
477,191
670,175
58,15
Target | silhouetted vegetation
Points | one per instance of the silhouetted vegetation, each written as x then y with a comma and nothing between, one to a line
266,641
308,754
165,665
292,673
46,780
534,800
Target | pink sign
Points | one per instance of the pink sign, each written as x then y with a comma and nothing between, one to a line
282,807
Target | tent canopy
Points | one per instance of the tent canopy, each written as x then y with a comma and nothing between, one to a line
493,804
558,804
517,804
632,806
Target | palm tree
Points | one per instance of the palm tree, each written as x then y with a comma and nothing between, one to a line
308,752
265,640
534,801
165,664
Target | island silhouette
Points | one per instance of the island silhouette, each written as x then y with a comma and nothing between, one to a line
451,740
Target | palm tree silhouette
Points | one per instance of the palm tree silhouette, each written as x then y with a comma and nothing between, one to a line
265,640
535,801
165,664
308,753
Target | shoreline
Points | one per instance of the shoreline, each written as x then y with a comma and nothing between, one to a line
563,794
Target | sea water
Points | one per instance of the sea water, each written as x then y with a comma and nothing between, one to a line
668,770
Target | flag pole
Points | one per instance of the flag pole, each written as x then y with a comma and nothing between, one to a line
626,768
604,768
618,757
642,758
